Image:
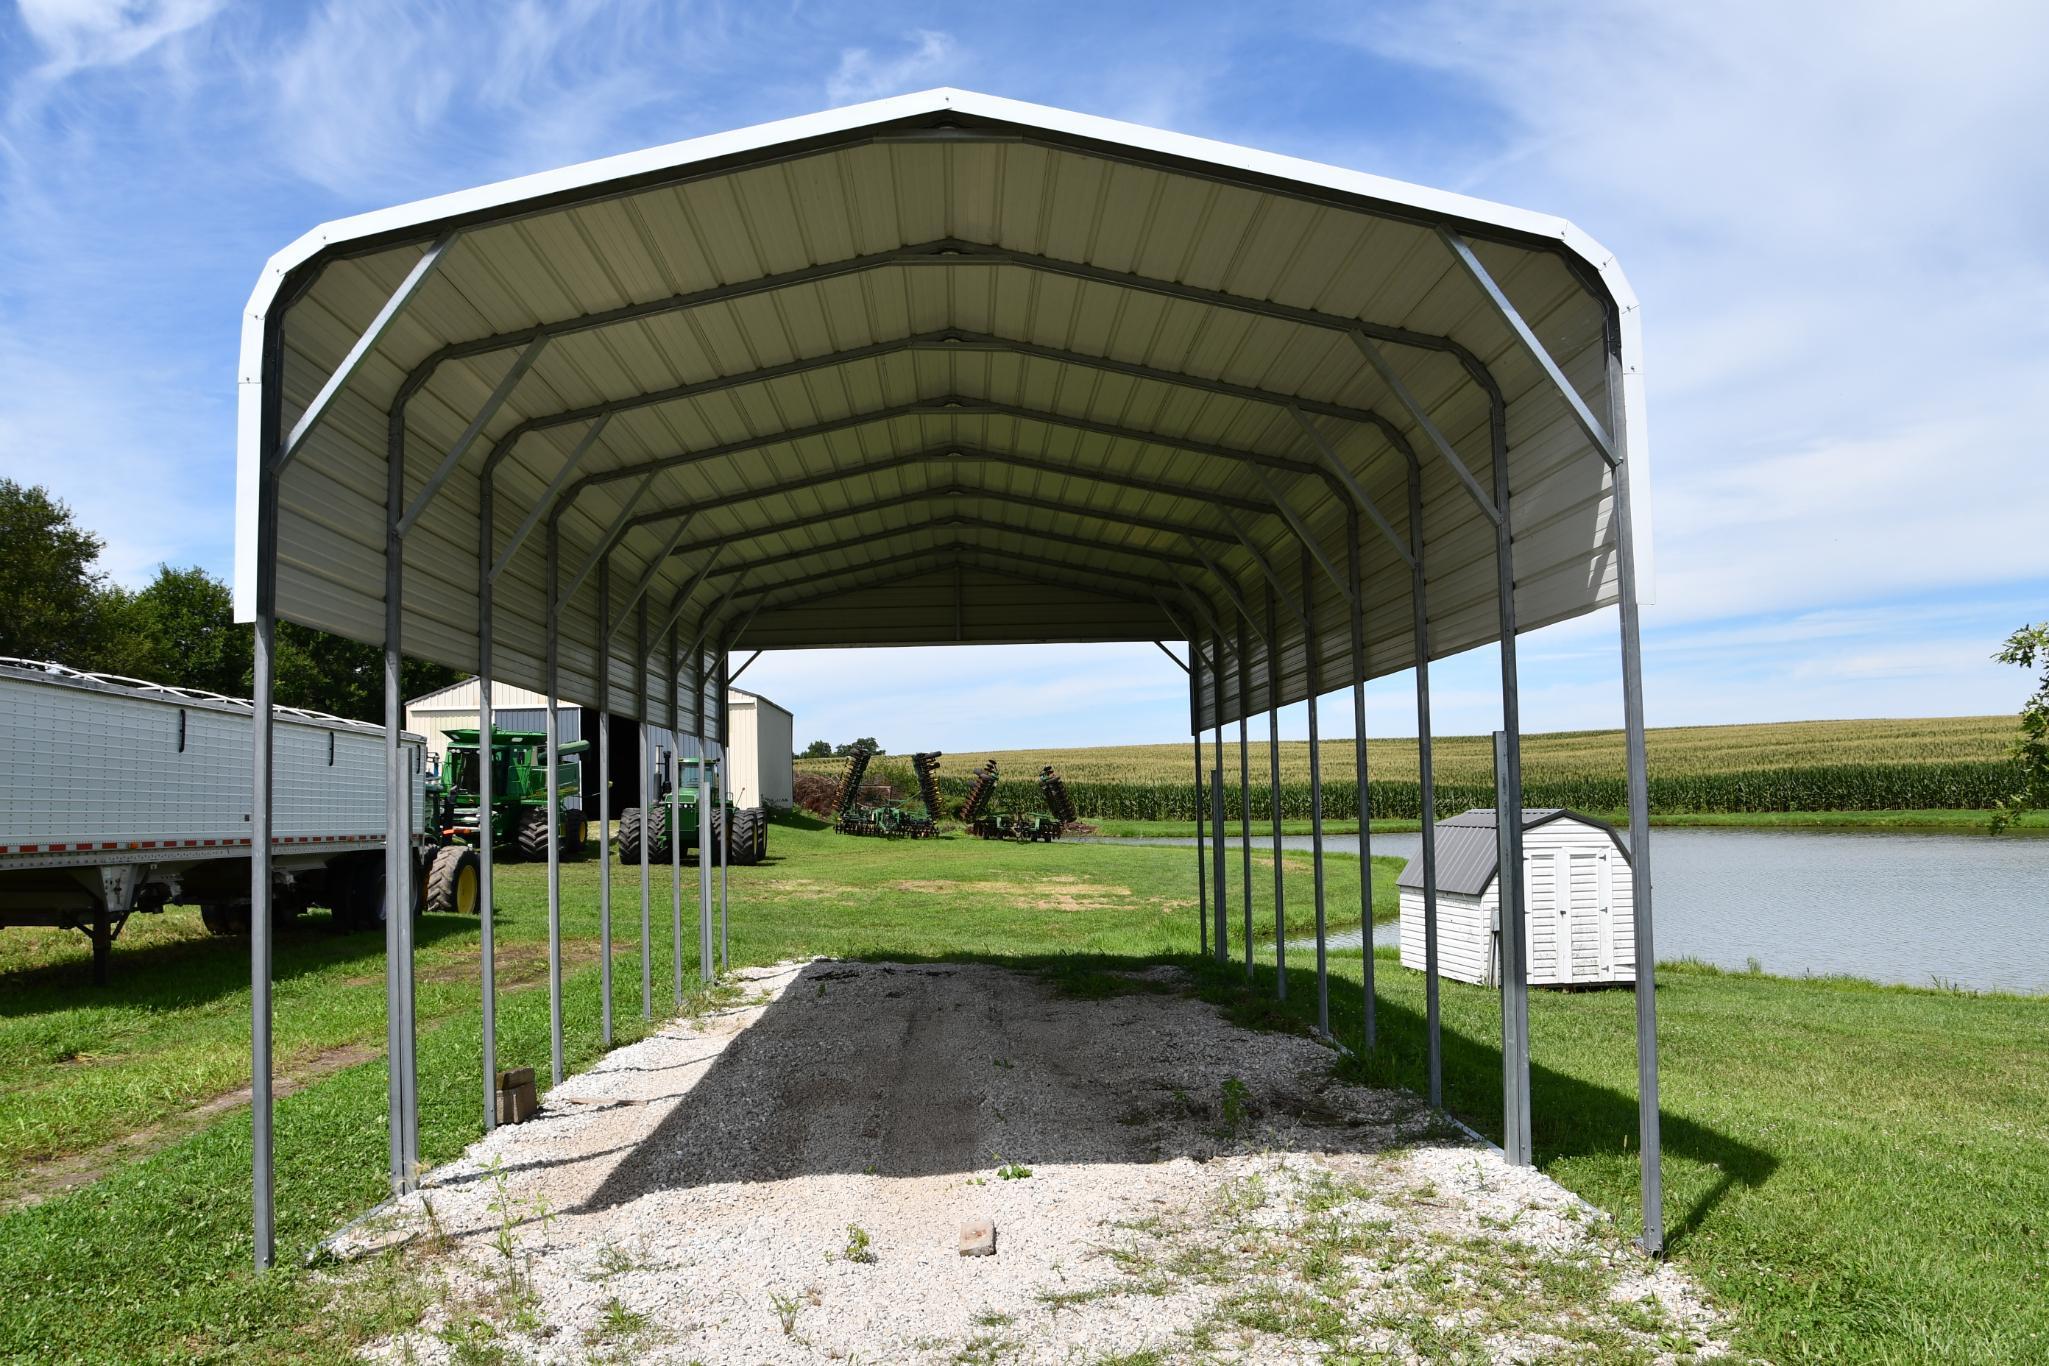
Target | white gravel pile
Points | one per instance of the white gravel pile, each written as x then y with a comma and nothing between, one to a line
786,1181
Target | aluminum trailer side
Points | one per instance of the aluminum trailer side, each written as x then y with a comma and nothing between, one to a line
123,796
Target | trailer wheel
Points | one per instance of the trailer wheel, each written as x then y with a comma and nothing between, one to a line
452,881
227,919
533,833
629,835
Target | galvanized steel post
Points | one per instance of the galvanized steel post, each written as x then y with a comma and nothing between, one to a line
706,813
644,662
1356,568
1221,881
1245,786
263,722
1427,783
674,811
1273,774
1195,734
1315,683
554,757
1515,986
604,663
487,969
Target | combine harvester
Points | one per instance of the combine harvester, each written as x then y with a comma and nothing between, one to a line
124,797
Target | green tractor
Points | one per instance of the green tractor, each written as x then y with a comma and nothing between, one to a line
519,810
677,810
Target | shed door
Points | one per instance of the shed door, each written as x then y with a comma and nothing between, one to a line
1561,911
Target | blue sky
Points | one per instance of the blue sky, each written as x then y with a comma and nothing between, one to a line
1834,217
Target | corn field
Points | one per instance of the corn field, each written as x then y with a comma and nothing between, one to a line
1955,763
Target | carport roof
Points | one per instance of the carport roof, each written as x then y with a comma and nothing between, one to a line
933,369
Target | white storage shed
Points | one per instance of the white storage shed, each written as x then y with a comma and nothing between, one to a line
1577,893
763,736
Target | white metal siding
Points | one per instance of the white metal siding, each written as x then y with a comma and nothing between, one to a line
763,774
91,764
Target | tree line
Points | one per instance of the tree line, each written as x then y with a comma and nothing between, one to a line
57,604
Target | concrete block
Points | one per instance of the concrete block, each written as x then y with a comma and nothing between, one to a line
978,1238
517,1099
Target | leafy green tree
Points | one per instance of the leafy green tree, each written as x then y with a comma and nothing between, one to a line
180,629
2027,648
867,741
817,749
49,586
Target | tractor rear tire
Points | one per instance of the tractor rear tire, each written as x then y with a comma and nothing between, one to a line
658,834
453,880
629,836
572,836
533,833
750,836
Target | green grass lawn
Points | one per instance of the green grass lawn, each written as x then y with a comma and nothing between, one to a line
1859,1172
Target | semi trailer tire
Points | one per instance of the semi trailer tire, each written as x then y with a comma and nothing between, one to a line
453,881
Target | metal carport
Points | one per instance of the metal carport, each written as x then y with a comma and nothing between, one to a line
941,368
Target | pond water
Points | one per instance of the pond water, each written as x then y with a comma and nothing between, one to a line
1922,909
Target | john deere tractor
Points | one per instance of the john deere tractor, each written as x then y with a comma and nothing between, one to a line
677,810
519,810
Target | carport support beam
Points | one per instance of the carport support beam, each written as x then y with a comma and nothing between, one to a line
1650,1147
1356,565
1427,782
1315,798
674,808
725,792
1245,788
1515,985
1273,777
554,756
604,644
262,1164
706,967
1195,734
647,785
487,971
398,920
1223,883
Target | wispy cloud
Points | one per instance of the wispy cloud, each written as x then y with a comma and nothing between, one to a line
862,75
1831,216
77,34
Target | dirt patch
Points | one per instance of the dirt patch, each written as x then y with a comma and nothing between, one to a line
1048,894
47,1179
786,1182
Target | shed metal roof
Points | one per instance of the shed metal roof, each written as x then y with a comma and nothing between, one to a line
941,368
1469,853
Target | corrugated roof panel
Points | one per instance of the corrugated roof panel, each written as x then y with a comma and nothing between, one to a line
553,266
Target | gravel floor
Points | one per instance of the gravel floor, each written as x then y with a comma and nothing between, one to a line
786,1181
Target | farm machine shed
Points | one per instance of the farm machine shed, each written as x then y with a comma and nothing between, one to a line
942,368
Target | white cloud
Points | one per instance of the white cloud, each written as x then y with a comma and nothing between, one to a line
1829,214
861,75
75,34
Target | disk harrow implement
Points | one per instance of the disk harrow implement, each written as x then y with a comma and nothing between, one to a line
1034,827
887,817
978,796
